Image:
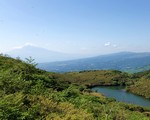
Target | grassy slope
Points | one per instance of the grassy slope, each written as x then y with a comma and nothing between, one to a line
98,77
28,93
142,86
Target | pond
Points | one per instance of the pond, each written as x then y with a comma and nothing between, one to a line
121,95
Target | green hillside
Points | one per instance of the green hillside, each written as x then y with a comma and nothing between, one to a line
27,93
142,86
98,77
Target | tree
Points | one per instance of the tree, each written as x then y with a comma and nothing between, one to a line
30,60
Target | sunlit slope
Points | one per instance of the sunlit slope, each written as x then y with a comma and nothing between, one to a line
142,86
28,93
98,77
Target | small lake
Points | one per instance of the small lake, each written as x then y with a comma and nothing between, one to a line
121,95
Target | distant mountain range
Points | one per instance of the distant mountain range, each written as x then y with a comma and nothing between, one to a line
41,54
124,61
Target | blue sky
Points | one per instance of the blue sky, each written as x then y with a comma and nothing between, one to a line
88,27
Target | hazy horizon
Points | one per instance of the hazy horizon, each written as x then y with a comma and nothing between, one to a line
76,27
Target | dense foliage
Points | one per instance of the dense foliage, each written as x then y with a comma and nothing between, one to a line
142,86
98,77
27,93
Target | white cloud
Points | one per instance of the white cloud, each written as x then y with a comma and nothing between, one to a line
26,44
29,44
109,44
17,47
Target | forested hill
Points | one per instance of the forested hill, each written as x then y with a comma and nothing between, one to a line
27,93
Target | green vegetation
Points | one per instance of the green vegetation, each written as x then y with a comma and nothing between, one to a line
27,93
138,83
98,77
142,86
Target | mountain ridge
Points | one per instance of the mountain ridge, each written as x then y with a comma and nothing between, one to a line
41,54
119,61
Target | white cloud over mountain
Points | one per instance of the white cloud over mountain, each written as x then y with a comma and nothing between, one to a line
26,44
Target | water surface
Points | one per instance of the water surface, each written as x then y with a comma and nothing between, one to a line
120,94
